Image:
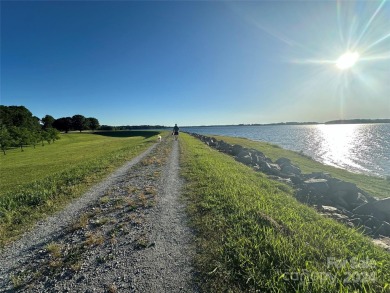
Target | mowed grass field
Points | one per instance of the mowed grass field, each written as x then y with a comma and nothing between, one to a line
18,168
375,186
253,236
40,181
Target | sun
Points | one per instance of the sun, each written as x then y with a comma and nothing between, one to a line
347,60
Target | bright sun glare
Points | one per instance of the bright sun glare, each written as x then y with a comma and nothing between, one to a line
347,60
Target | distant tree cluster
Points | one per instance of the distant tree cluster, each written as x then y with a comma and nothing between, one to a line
19,128
132,127
358,121
77,122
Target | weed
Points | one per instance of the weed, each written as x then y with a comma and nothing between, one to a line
104,199
81,223
151,160
94,239
143,200
76,267
112,288
131,190
130,203
17,281
150,190
55,263
101,221
113,240
141,242
54,249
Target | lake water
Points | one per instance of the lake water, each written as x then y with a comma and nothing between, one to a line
360,148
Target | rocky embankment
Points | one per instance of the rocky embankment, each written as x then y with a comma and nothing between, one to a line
332,197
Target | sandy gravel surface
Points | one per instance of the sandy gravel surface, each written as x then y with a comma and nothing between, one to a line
127,234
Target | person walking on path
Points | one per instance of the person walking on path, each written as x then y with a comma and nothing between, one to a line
176,131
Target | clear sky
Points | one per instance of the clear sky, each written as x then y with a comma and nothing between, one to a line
197,62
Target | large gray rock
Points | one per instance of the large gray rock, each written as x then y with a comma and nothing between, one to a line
290,169
269,168
383,230
260,156
236,149
245,159
275,169
380,209
342,187
282,161
317,186
317,175
224,147
287,167
345,193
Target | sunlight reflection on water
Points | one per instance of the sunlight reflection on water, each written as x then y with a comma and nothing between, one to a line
362,148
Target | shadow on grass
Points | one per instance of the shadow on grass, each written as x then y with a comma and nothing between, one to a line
128,133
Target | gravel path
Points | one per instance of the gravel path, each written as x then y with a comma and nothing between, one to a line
127,234
164,268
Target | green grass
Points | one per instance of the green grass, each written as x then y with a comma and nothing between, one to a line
18,168
40,181
375,186
253,236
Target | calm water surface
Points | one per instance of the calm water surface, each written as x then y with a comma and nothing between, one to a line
361,148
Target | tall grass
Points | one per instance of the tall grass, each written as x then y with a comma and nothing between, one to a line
253,236
23,204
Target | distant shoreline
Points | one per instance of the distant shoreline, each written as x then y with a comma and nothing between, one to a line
349,121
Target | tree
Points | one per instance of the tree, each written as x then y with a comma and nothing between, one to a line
21,136
5,139
79,122
63,124
53,134
93,123
35,137
18,116
48,121
106,127
44,137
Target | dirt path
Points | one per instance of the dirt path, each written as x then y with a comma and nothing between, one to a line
167,261
128,234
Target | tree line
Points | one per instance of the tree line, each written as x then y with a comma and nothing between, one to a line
18,127
131,127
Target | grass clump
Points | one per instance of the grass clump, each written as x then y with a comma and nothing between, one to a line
254,237
54,249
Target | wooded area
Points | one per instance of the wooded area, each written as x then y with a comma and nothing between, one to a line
19,128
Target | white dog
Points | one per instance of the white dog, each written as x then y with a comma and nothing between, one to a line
159,138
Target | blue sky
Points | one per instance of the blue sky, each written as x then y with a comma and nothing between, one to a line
196,62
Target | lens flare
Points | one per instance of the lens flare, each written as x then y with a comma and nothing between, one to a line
347,60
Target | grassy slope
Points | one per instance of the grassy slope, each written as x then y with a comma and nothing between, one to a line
41,181
373,185
18,168
253,235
